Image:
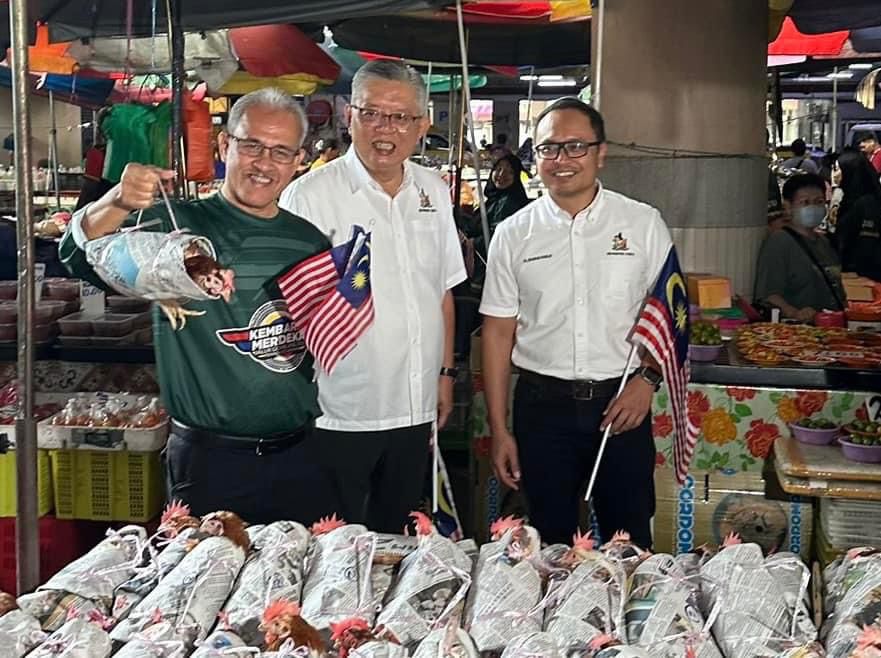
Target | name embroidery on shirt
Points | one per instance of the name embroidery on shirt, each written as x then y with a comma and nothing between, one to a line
619,246
534,258
425,204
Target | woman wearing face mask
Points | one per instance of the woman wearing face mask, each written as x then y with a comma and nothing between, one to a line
504,192
798,271
858,231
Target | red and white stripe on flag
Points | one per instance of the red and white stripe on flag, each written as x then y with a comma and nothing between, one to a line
335,328
653,331
306,285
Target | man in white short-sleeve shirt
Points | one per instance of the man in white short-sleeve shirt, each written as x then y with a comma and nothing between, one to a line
380,402
565,281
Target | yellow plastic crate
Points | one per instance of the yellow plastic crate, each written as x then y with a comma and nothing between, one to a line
8,480
107,485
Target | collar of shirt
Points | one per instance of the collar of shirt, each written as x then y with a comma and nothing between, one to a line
361,178
585,214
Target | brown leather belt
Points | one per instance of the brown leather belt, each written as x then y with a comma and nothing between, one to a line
577,389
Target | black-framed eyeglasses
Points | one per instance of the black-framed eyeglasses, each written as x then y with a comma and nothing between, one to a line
253,148
573,149
400,121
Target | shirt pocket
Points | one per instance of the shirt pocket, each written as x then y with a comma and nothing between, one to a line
621,278
426,246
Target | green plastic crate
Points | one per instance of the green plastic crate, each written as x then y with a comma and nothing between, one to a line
100,485
8,481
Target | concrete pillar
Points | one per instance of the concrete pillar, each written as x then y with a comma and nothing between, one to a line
684,83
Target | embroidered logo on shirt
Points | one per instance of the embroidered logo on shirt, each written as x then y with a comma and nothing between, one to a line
619,246
270,338
534,258
425,204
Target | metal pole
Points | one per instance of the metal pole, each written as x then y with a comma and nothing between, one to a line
53,150
460,147
427,103
27,554
598,67
450,134
176,36
466,95
835,109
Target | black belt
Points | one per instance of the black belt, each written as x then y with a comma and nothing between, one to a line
577,389
260,445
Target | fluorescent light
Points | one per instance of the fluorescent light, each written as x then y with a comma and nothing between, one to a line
557,83
551,77
861,66
527,78
841,75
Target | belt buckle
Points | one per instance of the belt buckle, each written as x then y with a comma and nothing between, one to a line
258,450
582,389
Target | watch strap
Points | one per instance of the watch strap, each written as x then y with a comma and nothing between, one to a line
449,372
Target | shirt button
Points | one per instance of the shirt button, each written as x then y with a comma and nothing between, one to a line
580,300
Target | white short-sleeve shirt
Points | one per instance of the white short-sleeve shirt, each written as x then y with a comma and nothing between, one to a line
390,378
575,285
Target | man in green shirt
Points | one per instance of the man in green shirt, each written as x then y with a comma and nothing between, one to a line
798,271
237,380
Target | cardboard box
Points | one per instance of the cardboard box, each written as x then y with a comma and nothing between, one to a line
857,288
708,290
709,505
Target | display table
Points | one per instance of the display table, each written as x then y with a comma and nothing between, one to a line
823,471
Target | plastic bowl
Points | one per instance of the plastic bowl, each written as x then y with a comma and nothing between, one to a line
704,352
860,453
816,437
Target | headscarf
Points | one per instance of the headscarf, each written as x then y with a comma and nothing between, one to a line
515,190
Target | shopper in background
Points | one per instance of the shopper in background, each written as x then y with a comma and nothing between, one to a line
242,408
798,270
868,142
565,281
328,149
379,404
800,161
504,190
858,230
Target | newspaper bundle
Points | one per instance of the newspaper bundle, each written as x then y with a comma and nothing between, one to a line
157,641
853,597
86,585
663,612
379,649
432,582
506,591
19,633
390,552
533,645
77,638
274,571
763,612
155,567
148,264
588,604
337,584
191,595
449,642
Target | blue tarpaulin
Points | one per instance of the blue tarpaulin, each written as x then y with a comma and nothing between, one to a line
87,92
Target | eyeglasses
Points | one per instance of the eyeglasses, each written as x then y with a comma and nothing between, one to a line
574,149
399,120
254,148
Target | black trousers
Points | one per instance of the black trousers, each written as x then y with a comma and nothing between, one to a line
558,440
289,483
378,475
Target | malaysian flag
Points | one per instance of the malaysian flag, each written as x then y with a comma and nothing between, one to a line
344,315
308,283
662,329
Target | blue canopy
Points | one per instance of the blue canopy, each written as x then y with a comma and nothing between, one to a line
78,90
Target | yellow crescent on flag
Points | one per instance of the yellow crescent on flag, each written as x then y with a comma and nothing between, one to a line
680,314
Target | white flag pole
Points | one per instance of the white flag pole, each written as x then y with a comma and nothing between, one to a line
608,430
435,449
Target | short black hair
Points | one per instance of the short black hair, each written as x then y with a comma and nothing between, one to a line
572,103
798,147
800,182
327,143
865,136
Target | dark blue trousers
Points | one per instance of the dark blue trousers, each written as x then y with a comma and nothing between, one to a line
558,439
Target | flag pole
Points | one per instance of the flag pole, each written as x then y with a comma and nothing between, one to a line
434,476
608,430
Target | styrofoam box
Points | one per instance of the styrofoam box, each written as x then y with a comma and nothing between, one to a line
39,398
850,516
64,437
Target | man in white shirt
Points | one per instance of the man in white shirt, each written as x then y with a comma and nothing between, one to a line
565,280
380,402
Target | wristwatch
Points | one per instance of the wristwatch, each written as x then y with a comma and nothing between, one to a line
650,375
449,372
